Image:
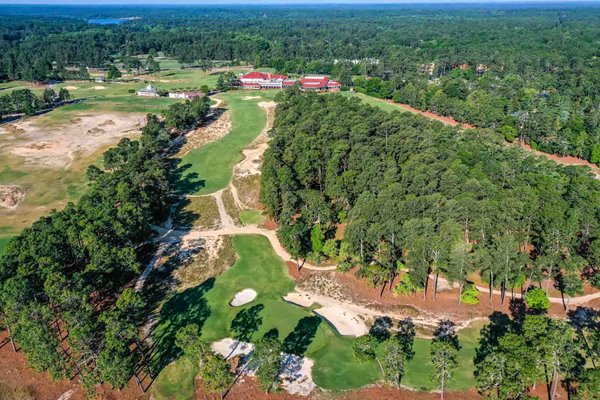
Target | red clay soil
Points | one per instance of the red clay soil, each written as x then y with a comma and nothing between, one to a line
385,393
445,120
564,160
14,373
446,305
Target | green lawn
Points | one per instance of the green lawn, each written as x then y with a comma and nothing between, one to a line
210,167
251,217
375,102
301,331
3,243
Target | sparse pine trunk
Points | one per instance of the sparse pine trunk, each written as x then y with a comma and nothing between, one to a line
554,383
435,286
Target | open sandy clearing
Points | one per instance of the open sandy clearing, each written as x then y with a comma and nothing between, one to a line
243,297
345,322
57,147
296,371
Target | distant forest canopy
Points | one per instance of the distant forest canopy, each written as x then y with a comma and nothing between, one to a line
425,197
528,72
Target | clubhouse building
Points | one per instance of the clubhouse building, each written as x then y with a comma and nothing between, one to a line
262,80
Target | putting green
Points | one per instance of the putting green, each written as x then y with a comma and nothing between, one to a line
209,168
301,331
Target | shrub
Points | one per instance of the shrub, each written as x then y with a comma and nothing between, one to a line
344,266
406,286
131,91
469,294
537,299
330,249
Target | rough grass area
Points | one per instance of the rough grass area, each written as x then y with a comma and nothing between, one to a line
205,265
248,188
252,217
232,209
373,101
210,167
176,381
197,212
3,243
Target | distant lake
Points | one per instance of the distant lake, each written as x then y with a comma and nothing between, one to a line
106,21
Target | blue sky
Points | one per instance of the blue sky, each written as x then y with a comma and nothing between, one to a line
174,2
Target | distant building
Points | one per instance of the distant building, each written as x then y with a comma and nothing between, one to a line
99,79
319,84
148,91
185,95
262,80
428,68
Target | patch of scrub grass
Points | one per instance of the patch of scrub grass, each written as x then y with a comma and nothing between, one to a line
3,243
176,381
251,217
210,167
198,212
301,331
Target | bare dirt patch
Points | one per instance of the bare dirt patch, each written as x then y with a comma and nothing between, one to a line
57,147
10,196
71,87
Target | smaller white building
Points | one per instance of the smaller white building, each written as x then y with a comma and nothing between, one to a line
148,91
185,95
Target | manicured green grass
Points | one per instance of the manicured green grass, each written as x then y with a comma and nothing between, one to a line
373,101
301,331
210,167
251,217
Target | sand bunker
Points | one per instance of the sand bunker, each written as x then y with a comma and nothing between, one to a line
58,146
10,196
250,97
296,371
99,87
345,322
253,154
243,297
71,87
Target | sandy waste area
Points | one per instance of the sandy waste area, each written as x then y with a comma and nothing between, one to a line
58,147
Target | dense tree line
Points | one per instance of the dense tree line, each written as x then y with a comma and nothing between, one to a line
65,291
419,196
23,101
529,72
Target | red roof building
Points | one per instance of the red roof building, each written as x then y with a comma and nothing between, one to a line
319,84
262,80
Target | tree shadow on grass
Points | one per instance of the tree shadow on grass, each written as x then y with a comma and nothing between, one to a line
301,337
188,307
490,335
184,218
247,322
182,181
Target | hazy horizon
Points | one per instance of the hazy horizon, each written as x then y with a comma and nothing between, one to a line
276,2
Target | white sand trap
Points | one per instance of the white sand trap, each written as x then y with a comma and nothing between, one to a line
296,371
250,97
300,299
345,322
71,87
243,297
99,87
